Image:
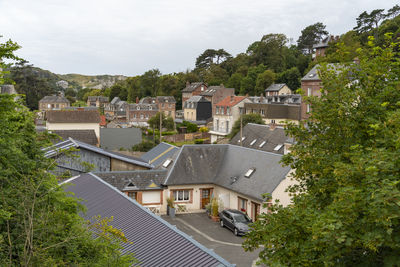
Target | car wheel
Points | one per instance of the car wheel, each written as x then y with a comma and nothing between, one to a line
221,222
235,232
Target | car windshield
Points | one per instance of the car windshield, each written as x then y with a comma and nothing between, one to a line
241,218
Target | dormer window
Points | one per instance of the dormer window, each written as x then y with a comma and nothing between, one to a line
138,108
167,163
249,172
278,147
150,107
202,88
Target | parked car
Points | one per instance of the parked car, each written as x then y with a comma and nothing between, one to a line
235,220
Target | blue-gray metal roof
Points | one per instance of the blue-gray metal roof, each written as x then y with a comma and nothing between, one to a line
154,241
159,154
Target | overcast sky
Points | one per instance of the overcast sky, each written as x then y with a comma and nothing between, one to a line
130,37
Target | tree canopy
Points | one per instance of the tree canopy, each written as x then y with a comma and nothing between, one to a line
346,209
246,118
310,36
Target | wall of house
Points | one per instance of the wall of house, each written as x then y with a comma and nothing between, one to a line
100,162
189,114
315,87
285,91
75,126
279,192
204,110
119,165
53,106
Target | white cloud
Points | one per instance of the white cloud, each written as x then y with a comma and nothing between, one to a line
130,37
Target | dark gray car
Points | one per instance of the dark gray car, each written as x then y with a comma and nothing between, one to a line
235,220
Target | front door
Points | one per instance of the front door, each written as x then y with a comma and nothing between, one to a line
205,197
255,210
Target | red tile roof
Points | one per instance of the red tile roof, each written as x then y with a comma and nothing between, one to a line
103,121
230,101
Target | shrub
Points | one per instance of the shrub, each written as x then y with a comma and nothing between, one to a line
199,141
143,146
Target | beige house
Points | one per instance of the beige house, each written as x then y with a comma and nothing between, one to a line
278,89
73,120
53,102
226,113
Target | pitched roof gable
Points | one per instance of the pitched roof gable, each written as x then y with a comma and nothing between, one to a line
154,241
230,101
73,116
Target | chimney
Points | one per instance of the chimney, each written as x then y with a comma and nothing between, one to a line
232,98
222,85
261,98
187,83
137,100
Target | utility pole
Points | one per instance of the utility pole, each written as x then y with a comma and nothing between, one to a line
241,127
160,125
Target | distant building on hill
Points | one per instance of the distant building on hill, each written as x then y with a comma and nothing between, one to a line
97,101
53,102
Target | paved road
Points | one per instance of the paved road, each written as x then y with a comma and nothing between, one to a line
212,236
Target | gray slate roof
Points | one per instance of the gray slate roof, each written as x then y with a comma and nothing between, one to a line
261,133
59,147
191,87
160,153
275,87
99,98
115,100
54,99
116,138
143,106
312,75
166,99
73,116
140,179
226,165
154,241
86,136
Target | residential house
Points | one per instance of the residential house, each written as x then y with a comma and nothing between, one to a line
139,114
97,101
197,108
90,158
192,89
166,104
73,120
268,138
278,89
53,102
321,47
276,109
116,109
226,113
117,138
161,155
85,136
216,94
238,176
311,85
153,241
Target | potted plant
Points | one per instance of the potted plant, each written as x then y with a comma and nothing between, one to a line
170,207
214,210
208,209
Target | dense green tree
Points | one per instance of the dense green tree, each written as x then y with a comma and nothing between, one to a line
149,82
167,122
368,21
215,75
190,127
291,77
246,118
346,209
393,12
211,57
264,80
310,36
235,82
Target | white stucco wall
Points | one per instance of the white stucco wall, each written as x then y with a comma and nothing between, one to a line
279,192
75,126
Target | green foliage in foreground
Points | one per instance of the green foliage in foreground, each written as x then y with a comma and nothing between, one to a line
346,210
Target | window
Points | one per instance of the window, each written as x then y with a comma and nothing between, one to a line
134,116
167,162
262,112
132,195
222,110
242,204
202,88
217,124
249,172
147,116
48,106
253,142
278,147
141,116
273,121
227,126
162,105
308,108
181,195
262,144
150,107
138,108
217,110
151,197
227,110
309,92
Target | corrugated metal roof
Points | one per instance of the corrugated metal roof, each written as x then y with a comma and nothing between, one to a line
154,241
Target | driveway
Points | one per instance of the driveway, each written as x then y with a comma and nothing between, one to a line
211,235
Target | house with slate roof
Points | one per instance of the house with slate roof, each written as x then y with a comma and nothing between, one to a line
215,94
192,89
97,101
278,89
238,176
73,156
166,104
139,114
226,113
85,136
73,120
197,108
53,102
320,48
161,155
268,138
116,109
153,241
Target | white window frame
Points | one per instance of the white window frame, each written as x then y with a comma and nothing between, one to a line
184,194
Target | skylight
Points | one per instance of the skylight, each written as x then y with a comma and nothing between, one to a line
278,147
244,137
167,162
249,172
262,144
253,142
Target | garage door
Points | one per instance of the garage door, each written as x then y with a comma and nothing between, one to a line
151,197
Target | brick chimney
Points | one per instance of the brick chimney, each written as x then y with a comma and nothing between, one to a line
137,100
232,98
187,83
261,98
